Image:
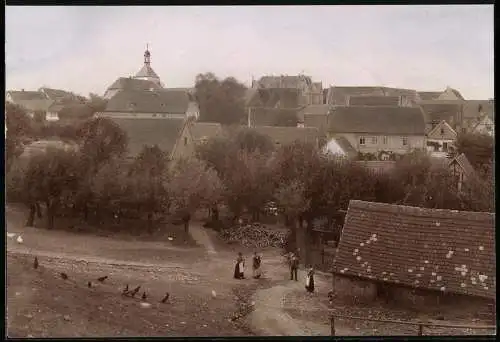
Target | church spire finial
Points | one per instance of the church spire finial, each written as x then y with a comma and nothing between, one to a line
147,55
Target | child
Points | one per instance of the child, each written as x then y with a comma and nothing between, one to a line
256,266
310,280
238,268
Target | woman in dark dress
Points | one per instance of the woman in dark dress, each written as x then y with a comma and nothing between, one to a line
310,280
256,266
238,268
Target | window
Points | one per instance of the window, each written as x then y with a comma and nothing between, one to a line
385,140
185,140
405,141
374,140
361,140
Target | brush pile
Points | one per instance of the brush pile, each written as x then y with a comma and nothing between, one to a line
254,235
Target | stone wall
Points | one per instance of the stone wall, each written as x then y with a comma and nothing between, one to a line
355,290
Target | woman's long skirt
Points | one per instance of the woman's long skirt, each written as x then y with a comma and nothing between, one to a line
310,284
238,271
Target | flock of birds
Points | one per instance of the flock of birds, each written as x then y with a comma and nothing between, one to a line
125,292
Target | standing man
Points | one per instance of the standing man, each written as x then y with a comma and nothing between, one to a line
294,266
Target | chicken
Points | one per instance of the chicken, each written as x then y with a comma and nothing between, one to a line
89,284
144,296
19,239
134,291
214,294
125,290
35,263
102,279
165,299
64,275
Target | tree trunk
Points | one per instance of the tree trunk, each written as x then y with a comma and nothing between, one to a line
31,215
50,214
186,219
150,223
38,210
215,214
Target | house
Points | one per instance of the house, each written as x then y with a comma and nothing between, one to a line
416,256
375,130
193,134
441,138
315,116
475,111
311,92
437,111
34,102
150,131
342,95
462,170
484,125
165,103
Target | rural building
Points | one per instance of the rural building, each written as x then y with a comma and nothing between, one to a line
416,256
343,95
448,94
129,83
379,130
193,134
310,92
315,116
34,102
441,138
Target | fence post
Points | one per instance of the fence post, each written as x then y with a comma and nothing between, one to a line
332,325
420,330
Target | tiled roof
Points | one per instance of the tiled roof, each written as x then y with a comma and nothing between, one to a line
288,135
150,132
147,71
472,108
337,94
201,130
56,94
26,95
437,112
128,83
35,105
384,120
429,95
284,81
374,101
462,160
274,97
160,101
268,116
321,109
424,248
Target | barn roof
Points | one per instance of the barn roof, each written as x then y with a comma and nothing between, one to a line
150,132
443,250
383,120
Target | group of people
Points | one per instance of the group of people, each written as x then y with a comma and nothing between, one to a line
239,272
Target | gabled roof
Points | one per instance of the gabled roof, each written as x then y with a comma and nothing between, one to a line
429,95
268,116
462,160
380,120
205,130
438,111
56,107
346,146
150,132
452,91
337,94
288,135
360,100
448,131
147,71
159,101
424,248
128,83
285,98
56,94
474,108
26,95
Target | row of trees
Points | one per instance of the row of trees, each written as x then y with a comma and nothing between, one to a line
242,171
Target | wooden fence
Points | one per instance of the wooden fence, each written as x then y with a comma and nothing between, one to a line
421,325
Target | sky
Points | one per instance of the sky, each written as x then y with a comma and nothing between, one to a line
85,49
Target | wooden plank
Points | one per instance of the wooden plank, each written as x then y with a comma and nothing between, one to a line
427,324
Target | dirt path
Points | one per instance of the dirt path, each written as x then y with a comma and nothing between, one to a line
201,236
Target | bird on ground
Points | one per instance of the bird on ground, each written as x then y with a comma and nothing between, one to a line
89,284
214,294
19,239
134,291
102,279
35,263
64,275
164,300
144,297
125,290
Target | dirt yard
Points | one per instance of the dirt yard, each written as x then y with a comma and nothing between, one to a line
41,304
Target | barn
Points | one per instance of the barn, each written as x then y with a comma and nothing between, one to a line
417,257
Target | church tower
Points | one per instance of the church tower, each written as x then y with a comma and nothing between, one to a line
146,72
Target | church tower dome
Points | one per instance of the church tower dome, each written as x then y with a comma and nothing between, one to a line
147,72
